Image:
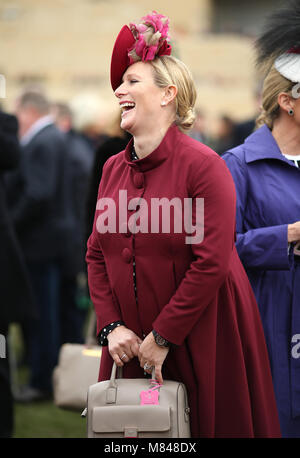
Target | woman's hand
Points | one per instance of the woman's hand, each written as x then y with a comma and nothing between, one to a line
294,232
153,355
123,345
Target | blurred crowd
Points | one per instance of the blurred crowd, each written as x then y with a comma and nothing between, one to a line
49,177
50,169
227,132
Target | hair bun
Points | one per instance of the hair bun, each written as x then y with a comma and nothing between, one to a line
187,119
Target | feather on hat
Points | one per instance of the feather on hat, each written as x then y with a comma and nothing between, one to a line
279,44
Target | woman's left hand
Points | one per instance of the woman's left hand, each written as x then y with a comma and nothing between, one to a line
153,355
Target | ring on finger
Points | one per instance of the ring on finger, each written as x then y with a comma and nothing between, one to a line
123,356
147,367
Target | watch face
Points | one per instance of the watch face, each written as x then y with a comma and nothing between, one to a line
160,340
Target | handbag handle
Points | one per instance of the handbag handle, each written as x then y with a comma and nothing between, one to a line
112,381
111,392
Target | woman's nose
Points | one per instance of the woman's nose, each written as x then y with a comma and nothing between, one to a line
120,90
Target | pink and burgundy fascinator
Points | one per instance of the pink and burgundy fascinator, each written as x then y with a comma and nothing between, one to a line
139,42
279,44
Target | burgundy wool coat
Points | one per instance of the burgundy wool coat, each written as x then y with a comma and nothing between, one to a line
197,295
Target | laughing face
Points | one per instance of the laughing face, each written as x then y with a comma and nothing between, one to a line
139,99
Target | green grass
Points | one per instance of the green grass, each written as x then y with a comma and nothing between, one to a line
45,420
41,419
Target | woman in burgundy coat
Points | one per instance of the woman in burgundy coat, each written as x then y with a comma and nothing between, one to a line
164,275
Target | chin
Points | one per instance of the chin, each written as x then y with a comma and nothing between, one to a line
127,126
128,123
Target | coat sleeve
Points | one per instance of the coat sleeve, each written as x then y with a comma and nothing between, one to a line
106,309
211,257
263,248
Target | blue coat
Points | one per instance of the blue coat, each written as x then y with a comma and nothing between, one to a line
268,199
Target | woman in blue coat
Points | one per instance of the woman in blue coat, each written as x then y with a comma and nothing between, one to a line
266,171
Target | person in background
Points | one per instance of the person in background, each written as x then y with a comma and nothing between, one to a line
266,172
38,203
224,134
15,290
79,163
183,308
198,131
244,128
88,118
116,142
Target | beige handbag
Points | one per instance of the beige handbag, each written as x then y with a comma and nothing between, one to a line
78,368
114,409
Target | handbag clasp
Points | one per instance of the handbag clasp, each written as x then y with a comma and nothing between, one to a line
130,432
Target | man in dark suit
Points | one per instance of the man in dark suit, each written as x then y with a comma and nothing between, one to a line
38,202
15,291
74,300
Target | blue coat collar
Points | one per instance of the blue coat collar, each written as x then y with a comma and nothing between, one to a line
262,145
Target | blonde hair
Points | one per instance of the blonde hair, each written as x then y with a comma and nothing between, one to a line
168,70
274,84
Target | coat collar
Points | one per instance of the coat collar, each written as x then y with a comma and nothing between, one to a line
158,156
262,145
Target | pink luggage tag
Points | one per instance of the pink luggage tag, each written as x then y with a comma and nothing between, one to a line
151,396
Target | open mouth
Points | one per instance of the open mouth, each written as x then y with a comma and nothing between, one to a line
127,106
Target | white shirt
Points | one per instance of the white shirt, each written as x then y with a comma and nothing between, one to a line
295,159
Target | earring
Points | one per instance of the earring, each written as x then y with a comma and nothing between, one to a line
291,112
163,104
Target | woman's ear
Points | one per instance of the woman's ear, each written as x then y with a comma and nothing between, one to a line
170,93
286,102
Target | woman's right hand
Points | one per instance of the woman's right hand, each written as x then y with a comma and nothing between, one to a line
294,232
122,341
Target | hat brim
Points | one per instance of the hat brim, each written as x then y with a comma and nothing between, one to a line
119,59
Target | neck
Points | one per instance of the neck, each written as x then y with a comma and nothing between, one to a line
287,135
146,142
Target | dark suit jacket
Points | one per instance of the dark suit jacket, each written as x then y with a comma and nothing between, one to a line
80,163
38,196
242,131
15,291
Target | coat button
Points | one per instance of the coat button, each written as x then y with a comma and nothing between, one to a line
126,255
138,180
